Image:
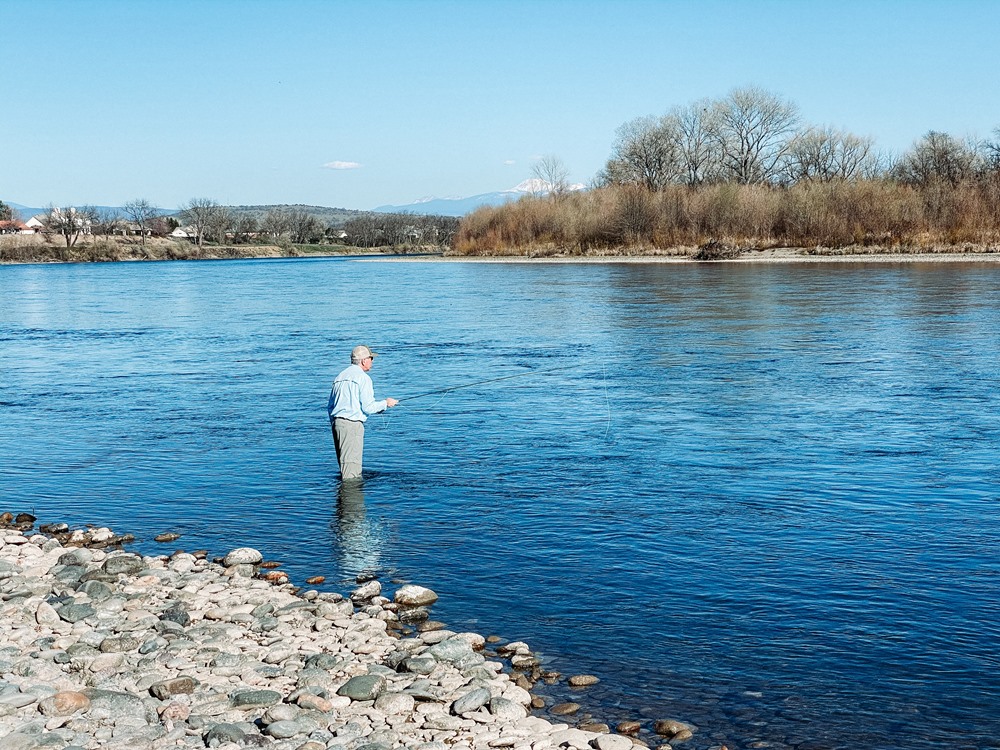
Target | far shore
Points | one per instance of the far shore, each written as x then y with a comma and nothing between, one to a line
160,250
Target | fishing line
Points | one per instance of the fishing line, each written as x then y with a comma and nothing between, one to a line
483,382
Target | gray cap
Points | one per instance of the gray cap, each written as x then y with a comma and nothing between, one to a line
361,352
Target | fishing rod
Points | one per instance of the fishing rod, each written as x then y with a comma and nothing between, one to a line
483,382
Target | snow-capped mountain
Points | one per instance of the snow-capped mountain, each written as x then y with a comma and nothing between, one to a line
462,206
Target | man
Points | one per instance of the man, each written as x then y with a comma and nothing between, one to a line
352,401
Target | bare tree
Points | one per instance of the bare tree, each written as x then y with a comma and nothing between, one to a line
991,153
936,157
647,151
245,226
198,213
140,212
826,154
699,159
752,129
70,222
553,173
305,228
108,222
276,223
218,224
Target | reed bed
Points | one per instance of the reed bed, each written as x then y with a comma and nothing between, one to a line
632,219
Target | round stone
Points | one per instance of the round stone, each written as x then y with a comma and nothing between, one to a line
612,742
583,680
283,730
243,556
125,563
365,687
65,703
629,727
670,727
471,701
414,596
565,709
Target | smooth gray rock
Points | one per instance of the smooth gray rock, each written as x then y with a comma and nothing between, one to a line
113,704
120,644
471,701
451,650
507,710
243,556
442,721
70,573
323,661
221,734
612,742
414,596
176,614
254,698
420,664
97,591
365,687
126,563
366,592
284,729
395,703
78,556
75,612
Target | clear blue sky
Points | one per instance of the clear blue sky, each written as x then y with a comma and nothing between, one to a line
255,101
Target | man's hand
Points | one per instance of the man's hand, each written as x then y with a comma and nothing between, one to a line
391,402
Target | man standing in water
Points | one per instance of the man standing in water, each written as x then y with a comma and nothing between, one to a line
352,401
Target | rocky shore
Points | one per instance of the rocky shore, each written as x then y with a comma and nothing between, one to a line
104,648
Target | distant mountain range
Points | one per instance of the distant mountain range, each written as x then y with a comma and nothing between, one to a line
26,212
462,206
425,206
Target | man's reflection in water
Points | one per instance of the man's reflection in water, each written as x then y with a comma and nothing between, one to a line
360,541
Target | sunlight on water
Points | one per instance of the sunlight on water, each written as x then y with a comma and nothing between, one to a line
759,498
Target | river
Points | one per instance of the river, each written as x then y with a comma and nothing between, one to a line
764,499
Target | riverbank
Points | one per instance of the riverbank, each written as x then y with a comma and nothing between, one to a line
29,250
32,250
684,254
106,648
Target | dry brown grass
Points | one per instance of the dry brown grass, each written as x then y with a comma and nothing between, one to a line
35,249
632,219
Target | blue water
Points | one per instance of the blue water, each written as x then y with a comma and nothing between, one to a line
763,499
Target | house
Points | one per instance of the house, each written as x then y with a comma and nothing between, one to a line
60,220
184,233
15,226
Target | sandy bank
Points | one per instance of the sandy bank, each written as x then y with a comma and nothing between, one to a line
774,255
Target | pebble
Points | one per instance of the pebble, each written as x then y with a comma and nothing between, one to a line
564,709
414,596
583,680
109,649
628,727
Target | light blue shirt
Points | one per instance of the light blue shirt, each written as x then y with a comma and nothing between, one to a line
353,396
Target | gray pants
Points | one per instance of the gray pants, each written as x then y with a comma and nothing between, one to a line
349,440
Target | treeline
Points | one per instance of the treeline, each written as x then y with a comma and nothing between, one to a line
745,170
209,221
204,221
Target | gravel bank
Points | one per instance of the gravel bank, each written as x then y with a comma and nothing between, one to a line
103,648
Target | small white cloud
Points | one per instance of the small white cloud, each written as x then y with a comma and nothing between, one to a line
509,162
342,165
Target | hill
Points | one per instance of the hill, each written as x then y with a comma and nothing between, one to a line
324,214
